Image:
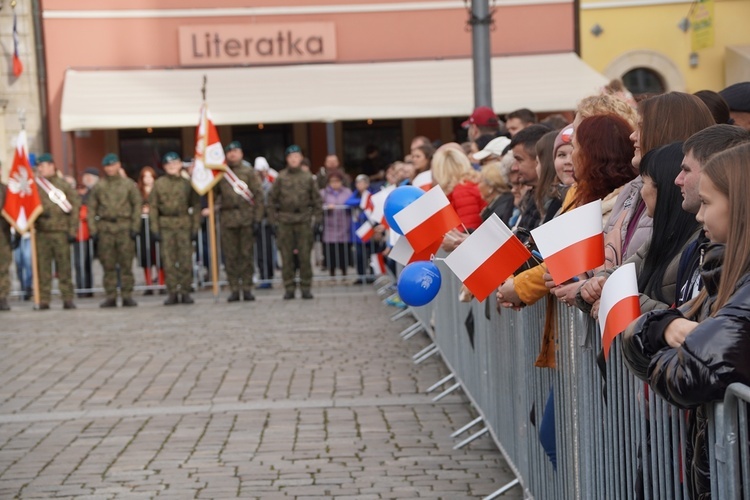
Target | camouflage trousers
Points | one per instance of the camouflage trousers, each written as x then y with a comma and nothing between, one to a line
5,257
117,249
297,237
177,259
52,247
237,246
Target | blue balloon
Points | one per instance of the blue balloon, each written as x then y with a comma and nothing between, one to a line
397,201
419,283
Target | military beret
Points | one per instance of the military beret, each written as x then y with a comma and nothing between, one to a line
292,149
109,159
171,156
92,171
44,157
233,145
737,96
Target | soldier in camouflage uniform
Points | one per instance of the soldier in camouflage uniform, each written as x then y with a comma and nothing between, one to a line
175,215
294,209
240,220
56,230
5,255
114,218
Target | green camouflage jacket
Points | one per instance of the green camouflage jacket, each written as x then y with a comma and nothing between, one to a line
173,204
114,205
235,211
53,218
294,198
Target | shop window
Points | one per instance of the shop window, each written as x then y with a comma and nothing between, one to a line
268,141
145,147
643,81
361,136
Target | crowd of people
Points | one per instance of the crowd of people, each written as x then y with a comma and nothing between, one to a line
672,172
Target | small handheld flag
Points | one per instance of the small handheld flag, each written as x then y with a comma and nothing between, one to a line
619,304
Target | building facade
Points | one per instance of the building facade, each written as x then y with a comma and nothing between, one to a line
330,75
665,45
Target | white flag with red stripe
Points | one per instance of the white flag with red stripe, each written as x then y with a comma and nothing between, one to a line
377,263
365,231
22,203
572,243
619,304
423,181
377,215
403,253
427,218
487,257
209,157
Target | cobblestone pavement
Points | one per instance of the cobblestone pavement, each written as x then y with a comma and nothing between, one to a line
269,399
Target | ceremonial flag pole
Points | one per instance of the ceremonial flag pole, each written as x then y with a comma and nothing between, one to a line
212,243
22,204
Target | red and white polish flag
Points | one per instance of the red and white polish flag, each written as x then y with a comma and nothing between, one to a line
487,257
209,157
365,202
572,243
427,218
619,304
403,253
377,215
423,181
22,203
365,231
377,263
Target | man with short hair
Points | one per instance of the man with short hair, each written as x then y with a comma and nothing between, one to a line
738,99
518,120
56,229
483,121
241,209
114,217
294,208
698,149
523,146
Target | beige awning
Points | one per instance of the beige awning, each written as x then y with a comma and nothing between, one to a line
319,92
737,64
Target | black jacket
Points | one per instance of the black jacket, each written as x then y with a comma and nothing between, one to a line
712,357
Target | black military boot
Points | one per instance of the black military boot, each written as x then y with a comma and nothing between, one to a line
4,305
171,300
108,303
68,304
129,302
187,299
289,294
43,306
234,297
247,295
307,294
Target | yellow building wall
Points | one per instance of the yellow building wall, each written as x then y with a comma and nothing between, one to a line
649,36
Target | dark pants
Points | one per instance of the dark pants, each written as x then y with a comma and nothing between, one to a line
337,256
82,252
364,252
264,251
547,429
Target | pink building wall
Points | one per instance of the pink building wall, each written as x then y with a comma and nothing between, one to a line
113,43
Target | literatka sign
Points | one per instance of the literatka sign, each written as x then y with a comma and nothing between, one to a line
231,44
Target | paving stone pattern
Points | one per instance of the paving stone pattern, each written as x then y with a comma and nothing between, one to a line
270,399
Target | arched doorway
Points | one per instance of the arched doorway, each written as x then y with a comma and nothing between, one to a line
643,81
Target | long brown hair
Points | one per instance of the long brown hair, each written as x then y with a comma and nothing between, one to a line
602,157
141,186
547,185
671,117
728,171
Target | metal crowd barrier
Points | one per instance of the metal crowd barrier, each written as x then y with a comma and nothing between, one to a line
615,439
352,256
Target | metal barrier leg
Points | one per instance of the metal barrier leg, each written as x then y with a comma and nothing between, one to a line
414,332
427,355
471,438
440,382
467,427
401,314
502,490
391,296
423,351
410,328
385,289
446,392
